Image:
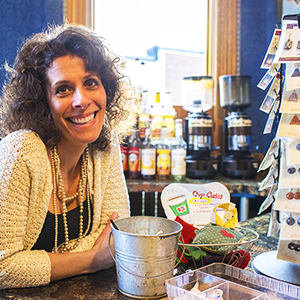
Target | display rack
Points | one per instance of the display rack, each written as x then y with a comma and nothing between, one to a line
267,263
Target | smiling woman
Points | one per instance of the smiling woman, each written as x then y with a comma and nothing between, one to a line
61,176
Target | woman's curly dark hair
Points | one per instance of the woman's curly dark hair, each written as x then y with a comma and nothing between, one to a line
24,103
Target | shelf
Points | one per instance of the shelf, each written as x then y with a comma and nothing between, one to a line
235,186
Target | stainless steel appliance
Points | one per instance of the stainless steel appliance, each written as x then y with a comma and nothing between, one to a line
235,97
196,95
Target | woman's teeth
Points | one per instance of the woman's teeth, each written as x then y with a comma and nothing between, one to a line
83,120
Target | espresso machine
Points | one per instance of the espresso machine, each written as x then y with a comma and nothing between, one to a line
235,97
196,97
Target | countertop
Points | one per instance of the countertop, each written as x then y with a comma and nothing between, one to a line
103,284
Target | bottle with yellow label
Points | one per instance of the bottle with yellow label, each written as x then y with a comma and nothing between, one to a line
148,157
163,156
178,154
157,118
144,115
169,115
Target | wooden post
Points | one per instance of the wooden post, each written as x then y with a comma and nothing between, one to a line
80,12
222,54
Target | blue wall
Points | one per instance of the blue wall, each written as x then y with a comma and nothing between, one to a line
258,21
19,19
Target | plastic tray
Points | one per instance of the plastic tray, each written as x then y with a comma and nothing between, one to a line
235,283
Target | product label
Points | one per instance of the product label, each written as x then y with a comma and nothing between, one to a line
178,162
163,161
134,159
239,123
143,118
148,162
180,209
124,157
156,125
200,122
169,122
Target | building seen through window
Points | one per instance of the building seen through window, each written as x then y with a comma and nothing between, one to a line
161,40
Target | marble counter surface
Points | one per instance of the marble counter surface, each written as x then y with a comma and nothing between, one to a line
103,284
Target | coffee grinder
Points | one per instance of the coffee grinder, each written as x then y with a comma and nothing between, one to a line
196,96
235,97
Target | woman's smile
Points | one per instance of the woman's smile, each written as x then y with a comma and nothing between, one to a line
83,119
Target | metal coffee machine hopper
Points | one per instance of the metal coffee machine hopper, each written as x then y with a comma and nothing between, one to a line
196,96
235,97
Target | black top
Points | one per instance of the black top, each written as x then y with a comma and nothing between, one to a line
46,238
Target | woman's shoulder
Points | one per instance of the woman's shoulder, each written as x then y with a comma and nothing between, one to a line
22,140
111,149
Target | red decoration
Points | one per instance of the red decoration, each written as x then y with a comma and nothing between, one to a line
227,234
188,230
239,258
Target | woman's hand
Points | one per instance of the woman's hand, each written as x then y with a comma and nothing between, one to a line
102,256
89,261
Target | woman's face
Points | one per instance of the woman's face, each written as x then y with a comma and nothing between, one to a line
77,100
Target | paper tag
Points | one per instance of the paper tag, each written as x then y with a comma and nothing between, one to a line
293,151
289,174
269,200
271,155
271,118
289,126
287,199
268,77
270,55
271,96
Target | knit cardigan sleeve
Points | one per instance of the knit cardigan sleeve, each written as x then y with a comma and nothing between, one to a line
23,203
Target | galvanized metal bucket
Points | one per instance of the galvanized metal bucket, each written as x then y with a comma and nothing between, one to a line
145,255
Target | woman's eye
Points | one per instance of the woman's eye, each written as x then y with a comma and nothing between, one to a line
62,90
92,83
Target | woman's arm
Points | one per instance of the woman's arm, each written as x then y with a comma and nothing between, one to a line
23,207
71,264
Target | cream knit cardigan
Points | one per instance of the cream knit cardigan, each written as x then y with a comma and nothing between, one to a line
26,186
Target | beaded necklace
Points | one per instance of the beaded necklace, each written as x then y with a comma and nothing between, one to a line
59,193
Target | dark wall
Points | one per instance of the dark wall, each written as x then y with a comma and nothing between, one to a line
19,19
258,21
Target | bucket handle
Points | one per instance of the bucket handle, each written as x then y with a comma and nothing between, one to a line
153,276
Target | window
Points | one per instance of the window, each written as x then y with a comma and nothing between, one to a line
163,39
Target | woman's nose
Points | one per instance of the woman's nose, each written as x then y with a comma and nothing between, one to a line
80,99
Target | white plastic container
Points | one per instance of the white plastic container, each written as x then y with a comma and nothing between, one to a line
234,283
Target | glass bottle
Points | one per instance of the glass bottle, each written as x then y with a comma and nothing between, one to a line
134,155
124,154
143,115
156,117
178,154
163,156
148,157
169,115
